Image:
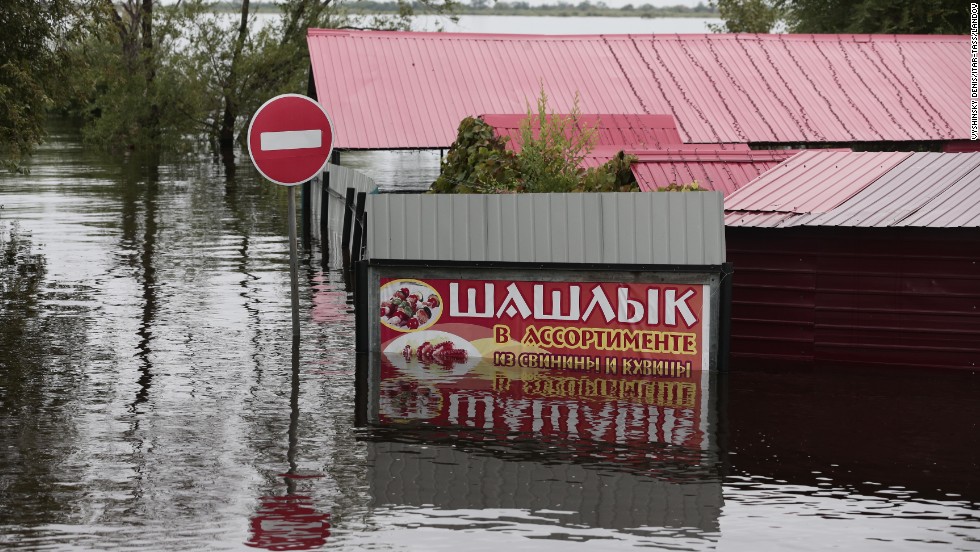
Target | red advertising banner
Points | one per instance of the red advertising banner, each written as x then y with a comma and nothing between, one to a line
609,328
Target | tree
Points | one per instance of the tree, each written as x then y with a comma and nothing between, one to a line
844,16
28,70
879,16
748,16
158,75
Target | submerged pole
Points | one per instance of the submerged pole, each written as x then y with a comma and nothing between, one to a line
293,261
348,218
359,228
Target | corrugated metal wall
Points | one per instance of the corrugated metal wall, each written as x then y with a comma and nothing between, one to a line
607,228
448,478
895,296
340,179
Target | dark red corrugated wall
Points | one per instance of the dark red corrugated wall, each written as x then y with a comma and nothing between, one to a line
893,296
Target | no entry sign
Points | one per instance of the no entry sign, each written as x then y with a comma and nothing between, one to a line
290,139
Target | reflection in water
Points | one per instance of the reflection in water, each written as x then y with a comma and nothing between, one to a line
142,260
290,521
577,451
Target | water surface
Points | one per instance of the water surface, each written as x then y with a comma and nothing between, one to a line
151,397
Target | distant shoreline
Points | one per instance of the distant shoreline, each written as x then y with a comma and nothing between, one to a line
562,9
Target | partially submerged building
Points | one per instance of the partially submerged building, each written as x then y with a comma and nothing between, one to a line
839,257
859,258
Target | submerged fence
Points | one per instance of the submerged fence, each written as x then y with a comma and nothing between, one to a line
331,204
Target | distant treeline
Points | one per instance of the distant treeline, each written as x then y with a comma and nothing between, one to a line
502,7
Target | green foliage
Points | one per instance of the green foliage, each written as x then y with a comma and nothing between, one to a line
151,75
477,162
844,16
29,69
879,16
552,149
126,95
613,176
692,187
747,16
550,158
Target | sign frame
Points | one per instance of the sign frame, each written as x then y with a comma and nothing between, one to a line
712,276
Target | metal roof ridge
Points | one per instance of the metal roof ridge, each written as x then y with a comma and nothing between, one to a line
716,155
894,38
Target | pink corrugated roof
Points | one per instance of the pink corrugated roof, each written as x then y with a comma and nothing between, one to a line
813,181
626,130
718,170
662,159
958,206
389,90
937,190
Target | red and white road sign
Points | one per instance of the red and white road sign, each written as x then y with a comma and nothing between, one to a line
290,139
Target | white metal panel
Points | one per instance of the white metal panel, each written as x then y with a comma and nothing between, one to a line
460,229
525,229
694,230
611,228
443,215
476,227
592,227
428,232
509,231
660,236
626,227
575,222
643,230
714,229
676,222
558,229
495,234
398,223
413,232
541,221
379,234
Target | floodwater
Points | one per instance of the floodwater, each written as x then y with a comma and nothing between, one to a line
151,398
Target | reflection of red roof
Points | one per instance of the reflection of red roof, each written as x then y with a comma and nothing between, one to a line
869,189
410,90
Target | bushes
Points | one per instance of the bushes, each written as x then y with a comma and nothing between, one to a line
550,158
477,162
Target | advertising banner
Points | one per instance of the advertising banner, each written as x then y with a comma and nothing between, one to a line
609,328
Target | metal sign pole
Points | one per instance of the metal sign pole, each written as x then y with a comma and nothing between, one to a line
293,262
290,140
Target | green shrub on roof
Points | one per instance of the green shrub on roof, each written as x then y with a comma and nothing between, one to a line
552,151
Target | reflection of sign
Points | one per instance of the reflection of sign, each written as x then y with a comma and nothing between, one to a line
290,139
289,523
547,405
617,329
